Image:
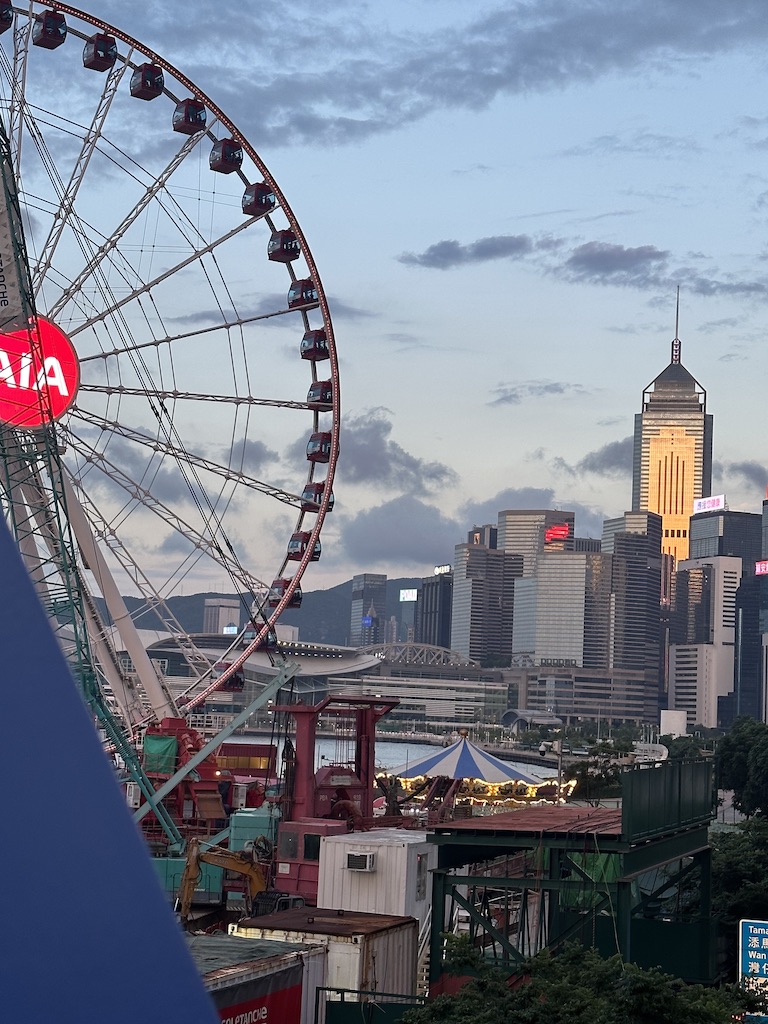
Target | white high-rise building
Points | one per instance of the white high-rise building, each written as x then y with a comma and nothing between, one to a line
703,636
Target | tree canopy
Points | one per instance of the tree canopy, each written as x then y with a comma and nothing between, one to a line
577,987
742,765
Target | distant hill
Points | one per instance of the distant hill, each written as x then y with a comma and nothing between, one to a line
322,618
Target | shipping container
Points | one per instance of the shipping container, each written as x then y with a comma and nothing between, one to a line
368,952
384,871
260,981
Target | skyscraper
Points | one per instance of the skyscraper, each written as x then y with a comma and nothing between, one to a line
433,610
672,457
483,602
529,532
369,591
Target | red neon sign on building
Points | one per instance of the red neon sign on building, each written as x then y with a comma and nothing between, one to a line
560,531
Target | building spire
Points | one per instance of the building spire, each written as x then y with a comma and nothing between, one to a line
676,344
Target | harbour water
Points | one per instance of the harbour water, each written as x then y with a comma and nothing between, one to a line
389,754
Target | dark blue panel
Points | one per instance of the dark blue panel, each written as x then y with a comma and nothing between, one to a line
88,935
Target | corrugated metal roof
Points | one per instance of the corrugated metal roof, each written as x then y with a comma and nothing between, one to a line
540,820
223,952
319,921
380,837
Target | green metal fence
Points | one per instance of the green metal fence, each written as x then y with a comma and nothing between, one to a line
356,1006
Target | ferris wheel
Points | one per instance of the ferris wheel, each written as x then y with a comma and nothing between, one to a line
169,388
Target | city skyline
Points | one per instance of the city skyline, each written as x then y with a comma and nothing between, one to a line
501,202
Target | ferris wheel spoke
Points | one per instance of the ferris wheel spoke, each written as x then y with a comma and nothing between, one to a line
152,191
169,339
147,286
160,446
190,396
140,495
67,204
17,76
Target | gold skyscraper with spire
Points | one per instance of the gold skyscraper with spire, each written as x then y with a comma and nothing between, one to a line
672,456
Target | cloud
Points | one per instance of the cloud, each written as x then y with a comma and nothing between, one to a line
639,142
479,513
448,254
248,456
514,394
350,72
589,520
612,460
403,531
371,457
644,267
754,473
343,311
600,262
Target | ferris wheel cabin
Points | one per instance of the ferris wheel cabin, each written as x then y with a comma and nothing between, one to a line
100,52
258,199
283,246
320,395
312,495
189,117
147,82
303,295
319,446
298,545
235,683
277,590
6,15
226,156
314,346
50,30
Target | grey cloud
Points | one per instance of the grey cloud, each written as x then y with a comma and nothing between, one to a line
644,267
478,513
598,261
612,460
514,394
249,456
371,456
752,472
448,254
637,143
344,74
402,531
343,311
589,520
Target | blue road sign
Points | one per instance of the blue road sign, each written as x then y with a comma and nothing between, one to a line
753,960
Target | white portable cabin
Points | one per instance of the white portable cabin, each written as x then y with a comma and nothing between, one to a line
384,871
368,952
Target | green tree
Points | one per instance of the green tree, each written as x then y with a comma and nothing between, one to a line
578,987
742,765
739,877
681,747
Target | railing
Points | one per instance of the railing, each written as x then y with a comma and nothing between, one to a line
358,1006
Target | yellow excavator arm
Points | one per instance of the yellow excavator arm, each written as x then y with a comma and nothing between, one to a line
242,861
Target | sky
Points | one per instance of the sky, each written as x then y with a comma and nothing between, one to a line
502,200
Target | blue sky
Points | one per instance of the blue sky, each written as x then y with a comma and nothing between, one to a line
502,199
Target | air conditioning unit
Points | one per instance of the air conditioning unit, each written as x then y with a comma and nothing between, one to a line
361,861
133,795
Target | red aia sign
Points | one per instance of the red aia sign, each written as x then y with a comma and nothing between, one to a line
39,375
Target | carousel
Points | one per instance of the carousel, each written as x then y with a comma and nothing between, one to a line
464,781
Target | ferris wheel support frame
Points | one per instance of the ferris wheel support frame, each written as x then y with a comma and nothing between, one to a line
159,696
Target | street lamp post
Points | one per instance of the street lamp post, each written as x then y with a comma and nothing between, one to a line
557,747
